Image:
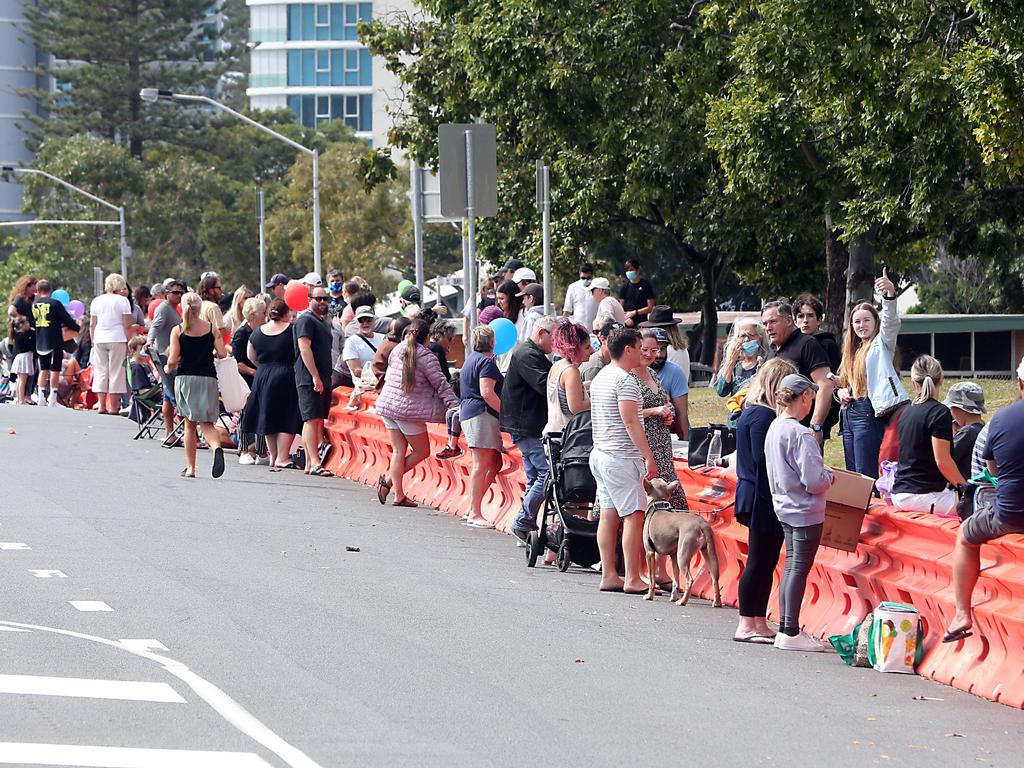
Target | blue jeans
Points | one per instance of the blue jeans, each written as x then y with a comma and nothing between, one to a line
536,466
862,437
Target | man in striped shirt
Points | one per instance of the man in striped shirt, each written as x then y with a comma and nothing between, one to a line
621,460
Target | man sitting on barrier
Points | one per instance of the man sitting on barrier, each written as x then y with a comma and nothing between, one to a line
1004,453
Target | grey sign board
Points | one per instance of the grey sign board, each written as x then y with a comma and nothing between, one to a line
451,140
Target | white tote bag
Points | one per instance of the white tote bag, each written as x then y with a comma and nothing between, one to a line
233,389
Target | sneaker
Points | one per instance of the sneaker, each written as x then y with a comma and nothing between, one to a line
521,537
262,461
247,459
449,452
802,642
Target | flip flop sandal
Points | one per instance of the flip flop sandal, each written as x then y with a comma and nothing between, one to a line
957,636
635,591
483,524
754,638
406,502
319,471
289,465
612,589
275,469
186,473
383,489
218,462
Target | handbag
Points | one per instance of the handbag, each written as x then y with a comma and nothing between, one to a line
976,495
233,389
896,638
700,442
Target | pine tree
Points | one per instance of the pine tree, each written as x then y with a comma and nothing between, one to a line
101,54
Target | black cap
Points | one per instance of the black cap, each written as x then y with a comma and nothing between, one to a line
411,294
277,279
512,264
176,284
607,328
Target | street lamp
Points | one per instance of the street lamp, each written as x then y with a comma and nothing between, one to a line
152,95
123,248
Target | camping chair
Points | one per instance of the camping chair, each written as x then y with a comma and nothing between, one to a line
175,440
145,410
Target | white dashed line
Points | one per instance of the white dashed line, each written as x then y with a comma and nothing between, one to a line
86,688
14,545
90,605
144,645
48,574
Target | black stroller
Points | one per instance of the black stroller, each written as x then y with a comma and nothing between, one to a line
569,495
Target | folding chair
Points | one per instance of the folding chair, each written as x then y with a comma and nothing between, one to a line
146,411
176,438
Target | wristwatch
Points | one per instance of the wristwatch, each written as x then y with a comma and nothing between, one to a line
816,428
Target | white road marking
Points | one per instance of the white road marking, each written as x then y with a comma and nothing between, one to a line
90,605
85,688
14,545
143,645
11,629
123,757
48,574
221,703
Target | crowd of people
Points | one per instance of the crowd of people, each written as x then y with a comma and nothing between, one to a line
787,384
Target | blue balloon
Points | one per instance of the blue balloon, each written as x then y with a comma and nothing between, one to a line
62,296
504,334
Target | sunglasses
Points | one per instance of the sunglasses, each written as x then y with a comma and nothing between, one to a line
318,298
366,319
177,293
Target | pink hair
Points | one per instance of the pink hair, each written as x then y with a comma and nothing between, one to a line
568,337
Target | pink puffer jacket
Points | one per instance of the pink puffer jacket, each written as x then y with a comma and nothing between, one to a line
431,394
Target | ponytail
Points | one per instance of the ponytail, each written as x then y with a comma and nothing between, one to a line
926,372
190,305
415,335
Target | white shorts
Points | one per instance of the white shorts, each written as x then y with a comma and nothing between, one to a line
620,482
405,427
938,503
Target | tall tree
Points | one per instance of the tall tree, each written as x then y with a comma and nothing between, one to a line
101,54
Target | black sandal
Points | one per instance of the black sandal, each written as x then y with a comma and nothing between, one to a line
383,489
319,471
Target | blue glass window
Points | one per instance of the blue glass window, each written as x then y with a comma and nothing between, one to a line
365,67
308,22
366,11
294,67
294,22
309,111
366,113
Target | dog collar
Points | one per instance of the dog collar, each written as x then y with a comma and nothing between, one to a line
665,505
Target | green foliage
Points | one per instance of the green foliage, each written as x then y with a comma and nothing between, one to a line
103,53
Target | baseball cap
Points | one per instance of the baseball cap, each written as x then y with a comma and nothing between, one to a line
512,264
277,279
411,294
365,311
606,329
533,289
797,384
312,279
967,396
172,283
600,282
660,334
490,313
524,273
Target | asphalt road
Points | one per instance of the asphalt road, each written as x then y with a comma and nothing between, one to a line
240,632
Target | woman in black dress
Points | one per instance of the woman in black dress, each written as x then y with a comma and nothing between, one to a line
272,410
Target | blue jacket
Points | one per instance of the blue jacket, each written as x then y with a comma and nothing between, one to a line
885,390
754,507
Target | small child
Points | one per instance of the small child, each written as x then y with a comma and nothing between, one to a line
142,378
22,340
68,388
442,333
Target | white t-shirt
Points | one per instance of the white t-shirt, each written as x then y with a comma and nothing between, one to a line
680,357
109,311
610,306
356,347
580,304
611,385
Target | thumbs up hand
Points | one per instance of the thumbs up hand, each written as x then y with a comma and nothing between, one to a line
884,285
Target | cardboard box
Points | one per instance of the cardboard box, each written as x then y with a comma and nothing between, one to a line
846,503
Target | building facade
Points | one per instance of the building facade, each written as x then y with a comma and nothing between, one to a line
307,57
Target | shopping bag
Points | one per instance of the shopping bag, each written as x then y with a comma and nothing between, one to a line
700,442
853,647
233,389
886,478
895,639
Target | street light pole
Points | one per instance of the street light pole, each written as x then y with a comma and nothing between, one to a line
151,95
123,247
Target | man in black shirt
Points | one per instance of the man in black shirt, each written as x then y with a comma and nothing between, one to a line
51,318
636,295
810,358
807,313
313,374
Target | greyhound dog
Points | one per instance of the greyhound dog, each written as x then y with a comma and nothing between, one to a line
674,532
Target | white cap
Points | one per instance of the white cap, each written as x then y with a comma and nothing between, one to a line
312,279
524,273
600,282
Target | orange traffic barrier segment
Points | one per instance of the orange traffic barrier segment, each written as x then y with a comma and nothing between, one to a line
902,556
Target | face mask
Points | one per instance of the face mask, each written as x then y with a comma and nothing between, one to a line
585,281
335,287
631,275
750,347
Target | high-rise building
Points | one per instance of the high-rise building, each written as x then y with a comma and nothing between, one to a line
307,57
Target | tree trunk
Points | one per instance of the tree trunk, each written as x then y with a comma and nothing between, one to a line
860,278
710,271
837,259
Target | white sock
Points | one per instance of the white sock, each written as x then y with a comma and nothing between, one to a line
52,401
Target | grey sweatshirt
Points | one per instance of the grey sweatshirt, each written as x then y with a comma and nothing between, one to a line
797,475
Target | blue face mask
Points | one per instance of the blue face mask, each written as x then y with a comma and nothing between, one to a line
631,275
585,281
335,287
750,347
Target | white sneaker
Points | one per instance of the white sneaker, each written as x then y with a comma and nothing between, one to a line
262,461
801,642
247,459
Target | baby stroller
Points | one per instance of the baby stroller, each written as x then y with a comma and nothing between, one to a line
569,495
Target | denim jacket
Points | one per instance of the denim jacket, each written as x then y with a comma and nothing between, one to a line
885,390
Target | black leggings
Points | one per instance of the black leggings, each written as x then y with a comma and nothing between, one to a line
763,550
801,547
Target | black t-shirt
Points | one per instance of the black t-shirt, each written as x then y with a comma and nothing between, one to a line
917,471
963,447
442,358
142,377
23,306
311,327
804,351
240,350
50,320
635,295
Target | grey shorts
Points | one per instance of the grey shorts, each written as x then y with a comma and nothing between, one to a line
407,428
482,431
620,482
984,526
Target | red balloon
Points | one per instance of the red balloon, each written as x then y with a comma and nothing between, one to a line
152,307
296,296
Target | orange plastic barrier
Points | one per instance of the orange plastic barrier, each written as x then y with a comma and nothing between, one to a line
902,556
